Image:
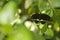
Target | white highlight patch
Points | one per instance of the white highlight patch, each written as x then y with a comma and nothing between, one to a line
28,24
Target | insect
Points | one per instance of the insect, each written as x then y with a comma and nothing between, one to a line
40,18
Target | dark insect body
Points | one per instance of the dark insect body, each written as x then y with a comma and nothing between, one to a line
41,18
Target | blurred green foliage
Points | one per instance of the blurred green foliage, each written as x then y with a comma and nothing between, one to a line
13,24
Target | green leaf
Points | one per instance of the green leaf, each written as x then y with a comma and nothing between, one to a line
6,29
28,3
17,1
56,16
49,33
55,3
30,10
37,36
56,26
42,5
44,28
7,14
20,33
